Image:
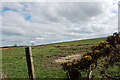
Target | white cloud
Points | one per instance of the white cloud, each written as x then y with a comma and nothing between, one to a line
50,22
32,41
39,38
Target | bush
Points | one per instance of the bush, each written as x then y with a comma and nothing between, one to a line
108,52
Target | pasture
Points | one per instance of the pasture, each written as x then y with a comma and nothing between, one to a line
14,61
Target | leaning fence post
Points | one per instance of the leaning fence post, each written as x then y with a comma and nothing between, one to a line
30,63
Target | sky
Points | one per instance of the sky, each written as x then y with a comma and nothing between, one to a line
24,23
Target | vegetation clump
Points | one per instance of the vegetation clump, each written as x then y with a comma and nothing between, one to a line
106,52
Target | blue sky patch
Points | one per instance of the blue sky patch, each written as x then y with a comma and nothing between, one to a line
8,9
114,11
28,18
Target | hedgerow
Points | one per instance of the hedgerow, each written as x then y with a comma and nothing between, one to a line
107,52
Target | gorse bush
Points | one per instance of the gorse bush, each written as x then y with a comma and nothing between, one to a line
107,52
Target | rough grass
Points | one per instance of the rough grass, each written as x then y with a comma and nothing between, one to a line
44,56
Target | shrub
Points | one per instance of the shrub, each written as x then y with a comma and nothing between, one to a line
107,51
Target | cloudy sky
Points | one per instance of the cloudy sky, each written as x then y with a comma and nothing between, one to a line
24,23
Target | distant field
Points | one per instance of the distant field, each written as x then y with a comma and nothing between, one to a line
14,61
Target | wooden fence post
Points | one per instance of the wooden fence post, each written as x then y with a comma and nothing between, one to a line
30,63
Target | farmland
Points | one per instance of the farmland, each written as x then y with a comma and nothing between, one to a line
14,61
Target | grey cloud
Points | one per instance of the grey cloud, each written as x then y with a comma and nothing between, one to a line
52,22
79,12
74,12
63,12
12,31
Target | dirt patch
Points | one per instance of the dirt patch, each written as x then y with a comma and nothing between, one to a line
69,58
72,45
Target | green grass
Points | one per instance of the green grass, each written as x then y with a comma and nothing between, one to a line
12,63
86,41
44,56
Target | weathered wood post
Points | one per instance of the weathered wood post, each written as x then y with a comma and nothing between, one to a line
30,63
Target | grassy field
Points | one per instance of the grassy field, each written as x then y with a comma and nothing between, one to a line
44,56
